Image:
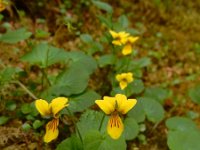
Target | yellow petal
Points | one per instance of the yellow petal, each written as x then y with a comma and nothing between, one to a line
123,34
114,34
123,104
2,7
43,107
116,42
129,77
123,84
119,77
115,126
127,49
58,104
107,105
51,130
132,39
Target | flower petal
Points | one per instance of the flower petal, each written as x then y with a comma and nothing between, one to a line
123,34
116,42
114,34
123,84
43,107
123,104
127,49
129,77
51,130
132,39
58,104
107,105
115,126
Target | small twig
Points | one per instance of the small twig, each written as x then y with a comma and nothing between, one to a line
25,89
22,86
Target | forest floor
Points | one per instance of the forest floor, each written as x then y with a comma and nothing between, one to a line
170,36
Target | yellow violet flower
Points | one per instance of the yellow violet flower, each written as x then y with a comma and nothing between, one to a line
119,38
115,106
52,109
3,5
124,79
127,49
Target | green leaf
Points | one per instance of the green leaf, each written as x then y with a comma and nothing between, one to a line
37,124
131,128
30,117
15,36
71,81
41,34
4,120
104,6
123,21
108,59
11,105
95,47
106,21
183,134
1,17
26,108
74,80
184,140
80,59
71,143
92,140
194,94
45,55
8,73
196,48
86,38
152,108
192,114
140,63
83,101
26,127
137,112
91,120
95,141
180,123
137,72
157,93
135,87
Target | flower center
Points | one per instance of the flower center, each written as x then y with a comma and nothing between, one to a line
114,120
53,124
124,80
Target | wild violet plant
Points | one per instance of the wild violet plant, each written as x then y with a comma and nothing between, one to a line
113,106
72,104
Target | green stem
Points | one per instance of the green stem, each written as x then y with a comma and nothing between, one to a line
44,74
128,63
101,123
78,131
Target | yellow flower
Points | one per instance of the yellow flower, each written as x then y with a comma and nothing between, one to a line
124,79
52,109
119,38
115,106
3,5
127,49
